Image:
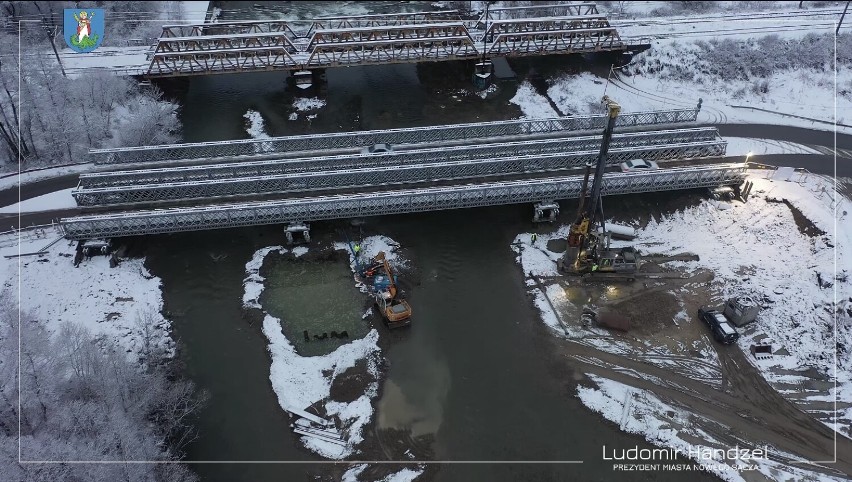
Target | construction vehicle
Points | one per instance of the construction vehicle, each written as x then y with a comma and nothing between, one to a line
395,311
588,252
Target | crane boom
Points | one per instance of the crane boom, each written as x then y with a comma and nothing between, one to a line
581,239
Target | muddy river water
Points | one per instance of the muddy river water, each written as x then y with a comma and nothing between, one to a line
474,379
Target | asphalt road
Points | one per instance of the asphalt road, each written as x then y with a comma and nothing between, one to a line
820,164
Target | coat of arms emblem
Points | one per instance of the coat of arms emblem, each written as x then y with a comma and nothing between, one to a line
84,28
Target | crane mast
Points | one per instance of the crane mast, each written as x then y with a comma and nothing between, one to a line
583,241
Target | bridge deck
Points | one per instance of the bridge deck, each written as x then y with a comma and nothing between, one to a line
390,202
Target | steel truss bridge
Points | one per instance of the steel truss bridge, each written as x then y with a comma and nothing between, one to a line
419,166
277,146
389,202
229,47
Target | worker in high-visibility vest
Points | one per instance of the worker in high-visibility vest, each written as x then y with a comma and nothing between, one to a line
534,238
357,250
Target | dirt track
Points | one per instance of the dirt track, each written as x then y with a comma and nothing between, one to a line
748,408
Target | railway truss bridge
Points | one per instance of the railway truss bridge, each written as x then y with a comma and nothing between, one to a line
251,46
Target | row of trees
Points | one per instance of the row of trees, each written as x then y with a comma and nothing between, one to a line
82,399
753,60
48,117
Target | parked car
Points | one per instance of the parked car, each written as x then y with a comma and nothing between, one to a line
722,329
638,165
377,149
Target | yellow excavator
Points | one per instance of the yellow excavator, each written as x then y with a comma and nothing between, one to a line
395,311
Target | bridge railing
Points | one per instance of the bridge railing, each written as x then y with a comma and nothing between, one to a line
390,202
416,135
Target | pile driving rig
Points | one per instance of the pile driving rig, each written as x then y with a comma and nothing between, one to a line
588,252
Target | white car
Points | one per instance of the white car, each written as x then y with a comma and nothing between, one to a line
638,165
377,149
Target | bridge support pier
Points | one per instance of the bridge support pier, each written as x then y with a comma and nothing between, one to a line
483,74
305,82
294,229
546,211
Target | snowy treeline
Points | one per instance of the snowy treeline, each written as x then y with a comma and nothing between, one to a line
61,118
81,399
753,60
126,23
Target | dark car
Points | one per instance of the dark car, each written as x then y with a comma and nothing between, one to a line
722,329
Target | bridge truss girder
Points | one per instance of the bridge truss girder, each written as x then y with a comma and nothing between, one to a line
226,28
380,176
391,51
392,202
210,43
417,135
629,141
221,61
388,33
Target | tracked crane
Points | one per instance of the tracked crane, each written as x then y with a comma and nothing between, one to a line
588,251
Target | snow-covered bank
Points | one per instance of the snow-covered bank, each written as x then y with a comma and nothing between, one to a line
805,93
301,382
792,273
532,104
194,12
755,249
407,474
663,424
121,304
46,202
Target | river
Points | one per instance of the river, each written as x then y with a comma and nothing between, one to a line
475,378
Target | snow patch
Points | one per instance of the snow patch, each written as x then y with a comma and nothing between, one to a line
255,126
532,104
303,104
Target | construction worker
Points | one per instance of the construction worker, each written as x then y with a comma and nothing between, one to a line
534,237
357,250
594,267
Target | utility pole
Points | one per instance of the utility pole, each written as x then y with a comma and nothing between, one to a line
837,32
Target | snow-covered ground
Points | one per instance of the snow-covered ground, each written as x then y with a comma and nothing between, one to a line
532,104
756,249
46,202
640,412
109,302
11,180
805,94
300,382
767,257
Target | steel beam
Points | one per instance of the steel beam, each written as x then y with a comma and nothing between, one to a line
625,145
416,135
392,202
